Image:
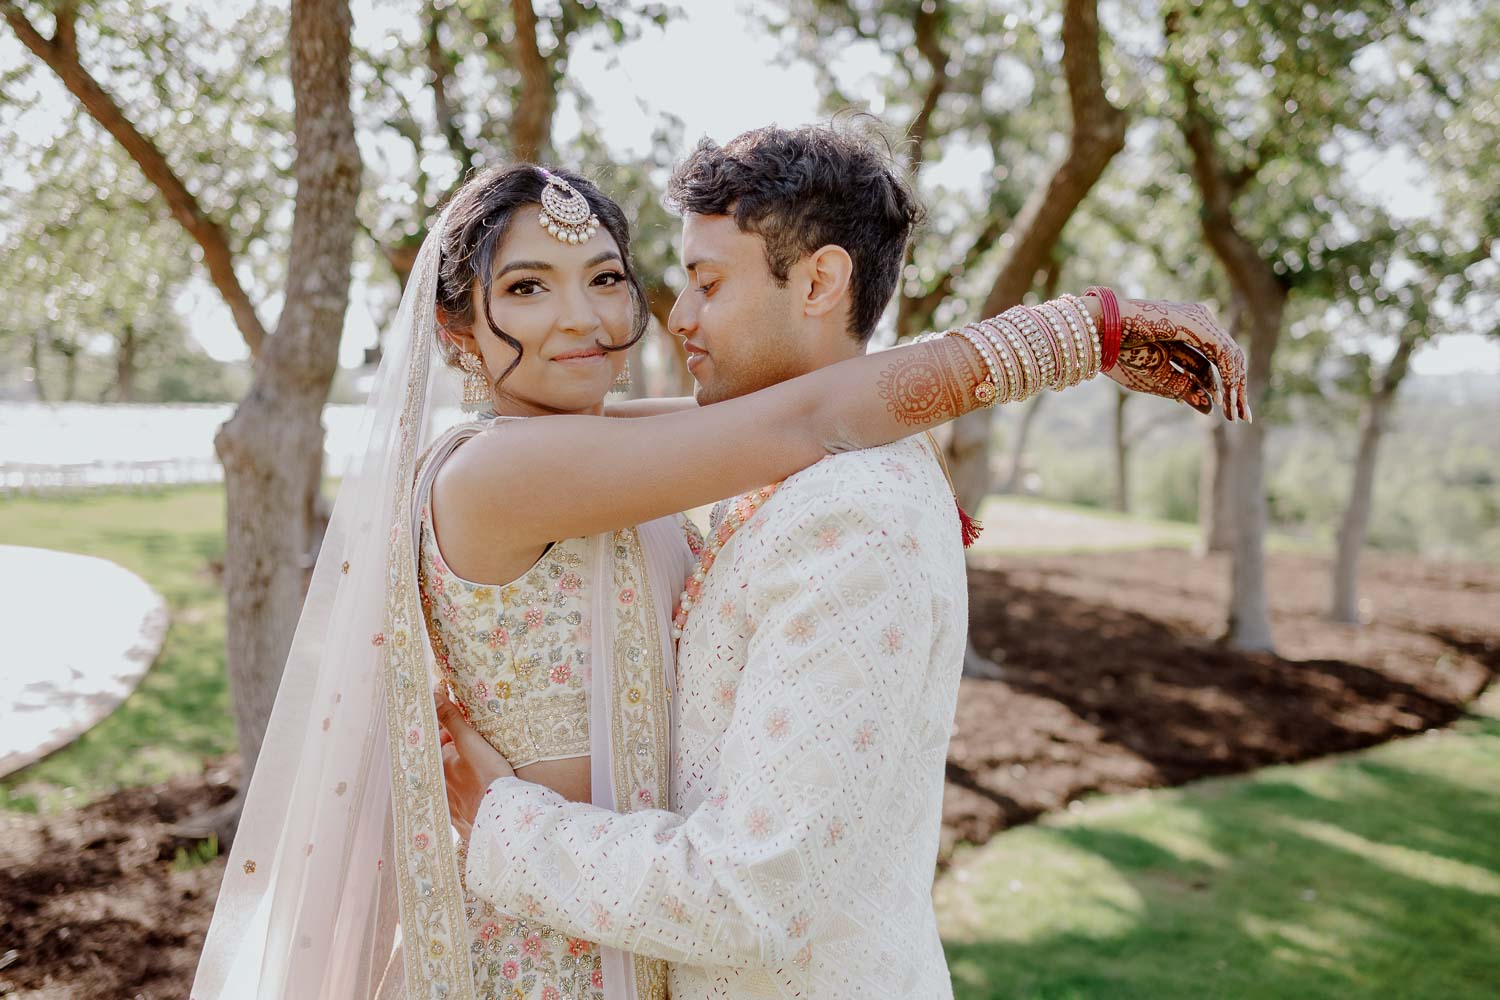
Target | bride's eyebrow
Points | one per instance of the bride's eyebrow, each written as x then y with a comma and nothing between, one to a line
524,265
541,265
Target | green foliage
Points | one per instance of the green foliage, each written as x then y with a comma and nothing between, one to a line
209,87
470,45
179,715
1166,484
1367,876
199,855
96,269
1438,494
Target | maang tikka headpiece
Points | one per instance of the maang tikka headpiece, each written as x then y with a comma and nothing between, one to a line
566,213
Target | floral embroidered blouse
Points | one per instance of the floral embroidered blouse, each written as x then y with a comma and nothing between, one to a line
517,659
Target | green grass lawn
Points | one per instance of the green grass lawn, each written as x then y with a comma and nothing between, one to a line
180,712
1375,875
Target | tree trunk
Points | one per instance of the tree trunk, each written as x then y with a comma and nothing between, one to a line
36,366
1356,518
1012,482
1215,494
70,375
1256,312
677,380
531,119
125,365
1098,133
1355,523
271,447
1122,453
1249,608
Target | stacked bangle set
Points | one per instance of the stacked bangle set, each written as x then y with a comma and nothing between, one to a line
1051,346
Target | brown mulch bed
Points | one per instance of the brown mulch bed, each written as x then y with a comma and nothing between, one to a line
93,903
1112,682
1113,679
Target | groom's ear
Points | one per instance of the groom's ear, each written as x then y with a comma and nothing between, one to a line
829,271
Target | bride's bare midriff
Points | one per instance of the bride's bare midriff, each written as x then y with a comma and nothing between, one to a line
568,778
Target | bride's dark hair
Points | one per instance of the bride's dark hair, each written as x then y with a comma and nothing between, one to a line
479,217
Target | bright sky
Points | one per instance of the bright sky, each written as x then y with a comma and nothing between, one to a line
714,68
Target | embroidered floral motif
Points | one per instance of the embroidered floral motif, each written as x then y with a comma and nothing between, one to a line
892,638
511,957
835,833
758,822
898,469
511,663
778,724
801,629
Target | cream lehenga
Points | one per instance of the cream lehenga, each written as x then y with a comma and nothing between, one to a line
345,879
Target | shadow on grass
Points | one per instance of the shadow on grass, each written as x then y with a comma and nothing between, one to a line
1366,878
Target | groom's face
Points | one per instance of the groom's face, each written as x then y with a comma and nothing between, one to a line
739,324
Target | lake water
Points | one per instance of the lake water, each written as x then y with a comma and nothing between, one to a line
84,445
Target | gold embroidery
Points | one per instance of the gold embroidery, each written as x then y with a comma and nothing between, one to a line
639,721
514,667
427,880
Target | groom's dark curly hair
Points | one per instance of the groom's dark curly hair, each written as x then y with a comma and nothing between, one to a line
804,188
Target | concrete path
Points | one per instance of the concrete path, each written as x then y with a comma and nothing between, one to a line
79,633
1017,526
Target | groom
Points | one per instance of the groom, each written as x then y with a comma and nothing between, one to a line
819,662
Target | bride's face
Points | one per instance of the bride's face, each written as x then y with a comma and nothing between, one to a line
561,301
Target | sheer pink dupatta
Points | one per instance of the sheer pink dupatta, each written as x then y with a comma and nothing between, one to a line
314,898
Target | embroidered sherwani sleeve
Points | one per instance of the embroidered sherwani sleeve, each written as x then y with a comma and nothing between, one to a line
811,769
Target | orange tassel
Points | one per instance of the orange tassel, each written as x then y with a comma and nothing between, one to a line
969,528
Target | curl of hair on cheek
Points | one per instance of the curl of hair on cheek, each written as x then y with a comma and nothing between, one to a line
487,286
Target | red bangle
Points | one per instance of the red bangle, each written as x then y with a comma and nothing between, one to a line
1111,331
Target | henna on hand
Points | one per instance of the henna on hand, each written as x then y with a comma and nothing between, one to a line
1174,349
932,382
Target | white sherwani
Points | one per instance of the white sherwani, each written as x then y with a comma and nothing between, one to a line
818,677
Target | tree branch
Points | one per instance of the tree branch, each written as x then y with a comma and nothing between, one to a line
60,54
440,65
1098,134
928,27
1250,275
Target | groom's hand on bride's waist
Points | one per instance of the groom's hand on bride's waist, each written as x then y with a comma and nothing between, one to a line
470,764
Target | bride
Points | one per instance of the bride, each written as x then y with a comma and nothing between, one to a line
529,567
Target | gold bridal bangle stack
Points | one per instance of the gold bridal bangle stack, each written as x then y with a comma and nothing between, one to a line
1030,348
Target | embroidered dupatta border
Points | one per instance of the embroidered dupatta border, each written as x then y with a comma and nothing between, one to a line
434,932
640,729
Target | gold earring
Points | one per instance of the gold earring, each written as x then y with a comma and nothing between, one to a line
622,380
476,382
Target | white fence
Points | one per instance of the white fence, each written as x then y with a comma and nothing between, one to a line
76,447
